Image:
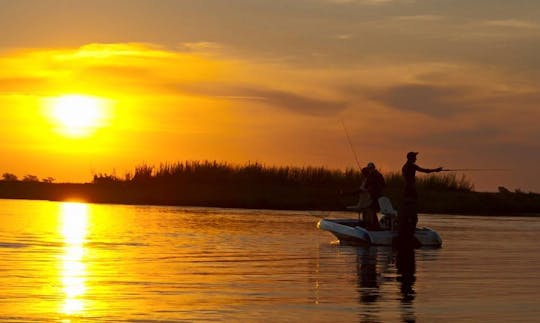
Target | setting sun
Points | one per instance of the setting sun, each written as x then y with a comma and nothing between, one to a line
78,115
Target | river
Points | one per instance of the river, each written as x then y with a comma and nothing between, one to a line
76,262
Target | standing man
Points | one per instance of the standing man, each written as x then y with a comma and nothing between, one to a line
371,188
374,185
408,217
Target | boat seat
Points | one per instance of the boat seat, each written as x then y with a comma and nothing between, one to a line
389,219
386,206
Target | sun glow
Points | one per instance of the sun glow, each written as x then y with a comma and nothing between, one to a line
78,115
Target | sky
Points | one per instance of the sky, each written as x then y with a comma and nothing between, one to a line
275,82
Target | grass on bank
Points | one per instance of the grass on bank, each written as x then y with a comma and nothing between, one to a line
253,185
257,173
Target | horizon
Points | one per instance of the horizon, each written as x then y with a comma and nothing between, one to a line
459,175
107,86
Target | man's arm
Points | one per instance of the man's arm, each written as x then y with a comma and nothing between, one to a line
429,170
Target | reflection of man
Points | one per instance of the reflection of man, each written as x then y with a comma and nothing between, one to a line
367,274
406,269
408,217
369,281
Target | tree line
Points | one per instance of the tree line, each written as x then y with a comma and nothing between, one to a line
10,177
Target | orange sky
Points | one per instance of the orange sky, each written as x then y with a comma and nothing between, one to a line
271,82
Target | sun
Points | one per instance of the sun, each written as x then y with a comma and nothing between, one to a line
78,115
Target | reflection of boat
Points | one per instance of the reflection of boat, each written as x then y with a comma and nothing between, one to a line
353,230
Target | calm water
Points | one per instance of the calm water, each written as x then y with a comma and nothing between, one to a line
98,263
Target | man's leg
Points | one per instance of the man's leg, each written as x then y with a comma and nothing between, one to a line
407,219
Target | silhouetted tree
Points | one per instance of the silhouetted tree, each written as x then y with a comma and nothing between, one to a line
30,178
503,190
48,180
9,177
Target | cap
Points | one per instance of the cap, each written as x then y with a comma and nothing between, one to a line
411,154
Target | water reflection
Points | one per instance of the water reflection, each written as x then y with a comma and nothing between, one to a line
374,269
74,224
406,269
368,284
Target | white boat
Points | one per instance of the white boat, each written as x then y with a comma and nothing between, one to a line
352,231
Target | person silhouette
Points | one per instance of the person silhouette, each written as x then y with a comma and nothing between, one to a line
374,184
371,189
406,270
408,215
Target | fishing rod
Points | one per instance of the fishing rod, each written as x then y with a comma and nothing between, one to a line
475,170
350,144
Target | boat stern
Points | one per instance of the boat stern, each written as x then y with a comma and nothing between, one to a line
345,230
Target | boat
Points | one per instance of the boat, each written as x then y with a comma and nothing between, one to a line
352,231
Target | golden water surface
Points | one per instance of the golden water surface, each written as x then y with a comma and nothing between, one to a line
76,262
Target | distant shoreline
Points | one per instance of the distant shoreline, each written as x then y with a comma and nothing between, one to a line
255,186
435,202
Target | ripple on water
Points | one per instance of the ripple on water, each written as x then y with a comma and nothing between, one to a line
125,263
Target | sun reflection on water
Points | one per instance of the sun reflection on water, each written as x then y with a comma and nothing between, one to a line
73,276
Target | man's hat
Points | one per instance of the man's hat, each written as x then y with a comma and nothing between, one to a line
411,154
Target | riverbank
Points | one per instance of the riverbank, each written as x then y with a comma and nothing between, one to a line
267,195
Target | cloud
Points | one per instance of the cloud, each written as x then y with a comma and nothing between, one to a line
381,29
260,94
298,103
343,36
419,18
513,23
21,84
366,2
144,70
432,100
460,137
515,32
140,70
203,47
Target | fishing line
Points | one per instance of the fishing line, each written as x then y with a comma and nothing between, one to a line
476,170
350,144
